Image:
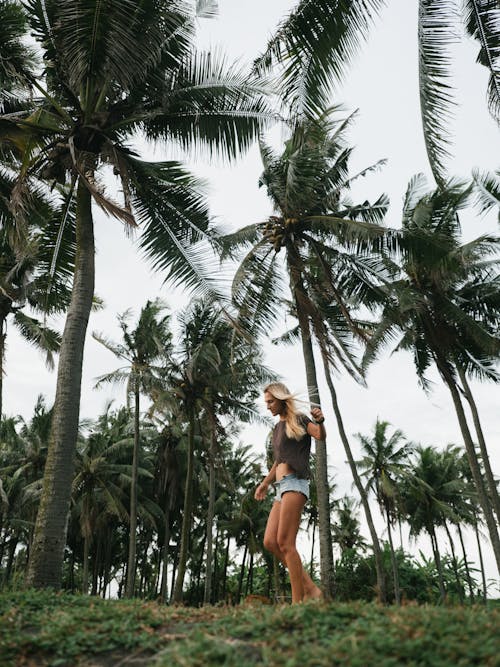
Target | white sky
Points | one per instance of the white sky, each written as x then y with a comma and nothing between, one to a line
383,85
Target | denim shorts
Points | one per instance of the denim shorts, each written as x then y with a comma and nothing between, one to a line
291,483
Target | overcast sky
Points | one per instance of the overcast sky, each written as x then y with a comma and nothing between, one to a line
383,85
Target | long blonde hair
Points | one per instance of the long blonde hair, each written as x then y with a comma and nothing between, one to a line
294,428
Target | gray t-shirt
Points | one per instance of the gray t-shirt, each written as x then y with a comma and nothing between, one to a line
294,452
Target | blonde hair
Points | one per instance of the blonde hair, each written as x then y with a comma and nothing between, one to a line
294,429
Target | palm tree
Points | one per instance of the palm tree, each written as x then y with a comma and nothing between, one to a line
143,348
107,77
383,464
430,491
213,375
327,243
97,490
346,528
445,308
312,48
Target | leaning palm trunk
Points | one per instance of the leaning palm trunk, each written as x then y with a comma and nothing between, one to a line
473,461
46,558
132,538
490,479
210,511
395,573
379,565
186,516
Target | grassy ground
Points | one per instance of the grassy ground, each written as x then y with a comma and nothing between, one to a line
46,629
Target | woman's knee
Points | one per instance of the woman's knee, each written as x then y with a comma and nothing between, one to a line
286,546
271,544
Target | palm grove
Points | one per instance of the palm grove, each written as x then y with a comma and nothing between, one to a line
156,497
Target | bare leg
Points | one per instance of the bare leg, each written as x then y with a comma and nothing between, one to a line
310,590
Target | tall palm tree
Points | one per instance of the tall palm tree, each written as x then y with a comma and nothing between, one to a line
445,308
145,351
327,245
312,48
383,464
110,75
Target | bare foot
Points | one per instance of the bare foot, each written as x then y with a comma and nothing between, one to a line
314,594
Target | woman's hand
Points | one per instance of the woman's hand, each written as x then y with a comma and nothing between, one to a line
317,415
261,491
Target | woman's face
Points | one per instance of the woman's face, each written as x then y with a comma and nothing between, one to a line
274,405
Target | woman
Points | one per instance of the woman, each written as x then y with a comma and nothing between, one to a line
290,474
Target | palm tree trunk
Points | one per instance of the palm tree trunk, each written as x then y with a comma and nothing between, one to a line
86,550
311,565
166,541
437,560
454,563
132,538
242,573
481,560
377,553
490,478
466,563
186,516
473,461
226,565
46,559
211,507
3,335
395,574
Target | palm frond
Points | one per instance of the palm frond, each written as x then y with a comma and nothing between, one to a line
45,339
211,105
487,189
437,21
482,21
314,48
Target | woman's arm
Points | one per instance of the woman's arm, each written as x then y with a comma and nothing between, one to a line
316,429
261,490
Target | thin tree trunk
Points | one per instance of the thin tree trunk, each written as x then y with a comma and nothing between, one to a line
211,507
395,574
276,577
46,559
466,562
437,560
311,565
166,541
249,582
226,564
481,563
86,551
473,462
454,562
242,573
132,538
377,553
3,335
490,478
186,516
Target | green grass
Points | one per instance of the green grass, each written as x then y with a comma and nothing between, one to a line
48,630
